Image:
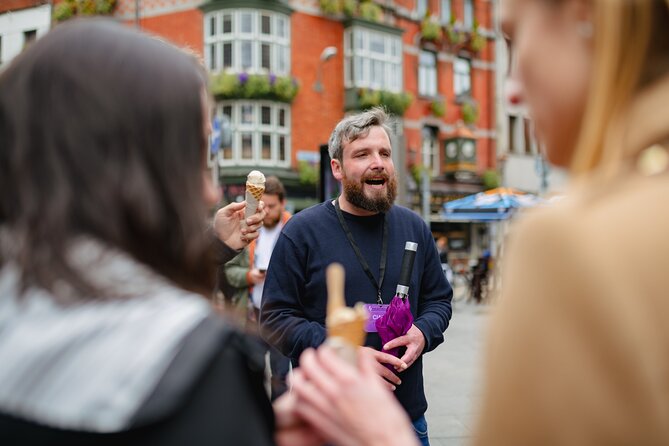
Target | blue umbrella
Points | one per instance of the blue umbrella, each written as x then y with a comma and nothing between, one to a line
493,205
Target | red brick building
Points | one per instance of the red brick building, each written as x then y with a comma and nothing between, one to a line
440,52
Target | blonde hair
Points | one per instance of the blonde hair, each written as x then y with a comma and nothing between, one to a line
622,65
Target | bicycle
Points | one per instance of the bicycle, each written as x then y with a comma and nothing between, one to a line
461,283
470,284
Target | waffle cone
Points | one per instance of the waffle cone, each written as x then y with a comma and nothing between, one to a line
352,332
253,194
255,190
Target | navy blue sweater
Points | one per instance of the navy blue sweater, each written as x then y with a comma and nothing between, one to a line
294,297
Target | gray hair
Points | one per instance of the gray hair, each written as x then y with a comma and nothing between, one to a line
354,127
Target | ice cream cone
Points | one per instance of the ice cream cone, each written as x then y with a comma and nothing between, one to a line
345,325
255,187
350,327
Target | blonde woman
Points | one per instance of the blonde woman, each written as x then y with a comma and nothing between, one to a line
579,344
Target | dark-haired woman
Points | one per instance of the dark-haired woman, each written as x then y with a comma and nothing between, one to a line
106,336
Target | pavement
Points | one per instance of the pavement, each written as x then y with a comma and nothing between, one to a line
453,376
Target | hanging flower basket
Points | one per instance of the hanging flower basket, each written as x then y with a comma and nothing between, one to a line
254,86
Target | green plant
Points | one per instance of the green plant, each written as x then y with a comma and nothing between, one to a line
370,11
418,171
430,29
394,103
453,34
476,41
308,173
349,7
490,179
438,108
470,112
255,86
330,6
64,11
71,8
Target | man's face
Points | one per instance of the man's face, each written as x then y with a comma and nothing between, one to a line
367,172
274,208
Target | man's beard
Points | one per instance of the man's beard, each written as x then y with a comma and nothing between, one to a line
272,223
355,194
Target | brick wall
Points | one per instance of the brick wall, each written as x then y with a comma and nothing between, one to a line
14,5
315,114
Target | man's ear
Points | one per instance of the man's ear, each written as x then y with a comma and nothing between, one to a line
336,167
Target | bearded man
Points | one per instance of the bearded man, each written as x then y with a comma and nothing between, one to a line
364,231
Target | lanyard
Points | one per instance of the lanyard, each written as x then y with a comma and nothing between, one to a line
361,259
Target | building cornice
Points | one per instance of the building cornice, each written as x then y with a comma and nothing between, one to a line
276,6
373,25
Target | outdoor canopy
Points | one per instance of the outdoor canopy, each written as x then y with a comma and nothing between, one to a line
493,205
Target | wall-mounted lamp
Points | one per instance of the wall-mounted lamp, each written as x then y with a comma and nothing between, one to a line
328,53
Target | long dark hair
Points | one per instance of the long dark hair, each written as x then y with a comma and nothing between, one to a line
102,135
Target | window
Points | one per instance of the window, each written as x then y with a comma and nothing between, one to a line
462,82
427,73
512,133
469,13
521,140
421,8
249,40
372,59
260,133
29,37
445,11
431,148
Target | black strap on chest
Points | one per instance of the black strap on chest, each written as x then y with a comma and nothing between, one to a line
358,254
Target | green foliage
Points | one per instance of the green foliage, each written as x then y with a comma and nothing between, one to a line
438,108
64,11
330,6
349,7
254,86
370,11
418,172
490,179
394,103
454,36
72,8
308,173
470,112
430,29
476,41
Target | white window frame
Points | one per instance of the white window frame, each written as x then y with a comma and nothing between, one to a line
421,9
431,145
445,11
279,45
459,75
427,75
364,58
468,19
257,129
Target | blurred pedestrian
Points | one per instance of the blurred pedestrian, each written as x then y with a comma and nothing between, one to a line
247,272
578,345
363,230
107,337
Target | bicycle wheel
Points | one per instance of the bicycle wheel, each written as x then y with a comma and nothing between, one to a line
460,287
